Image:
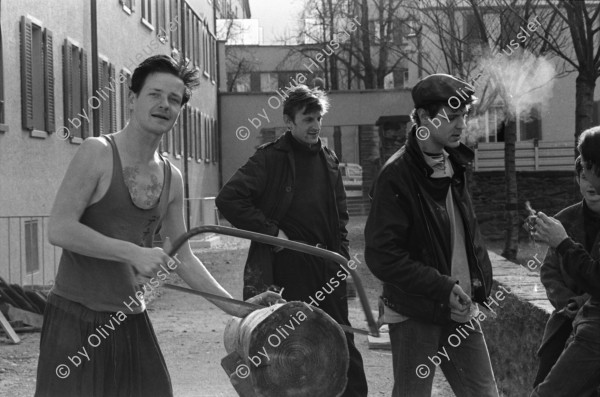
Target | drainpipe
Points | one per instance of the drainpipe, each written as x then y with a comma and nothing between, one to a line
95,82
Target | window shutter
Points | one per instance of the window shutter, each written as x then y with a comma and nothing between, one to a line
85,125
49,80
201,136
217,137
176,20
26,74
113,98
101,84
67,83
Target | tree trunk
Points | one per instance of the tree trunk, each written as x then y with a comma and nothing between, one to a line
585,85
511,242
289,349
366,45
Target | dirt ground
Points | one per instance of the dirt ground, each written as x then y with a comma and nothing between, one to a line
190,333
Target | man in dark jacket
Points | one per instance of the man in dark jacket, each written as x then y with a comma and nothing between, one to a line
292,188
423,242
577,371
582,223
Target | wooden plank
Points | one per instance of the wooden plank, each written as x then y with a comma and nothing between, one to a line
9,330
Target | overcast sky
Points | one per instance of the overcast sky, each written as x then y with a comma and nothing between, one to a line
276,17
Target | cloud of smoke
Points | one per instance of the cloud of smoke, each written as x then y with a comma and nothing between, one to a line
518,83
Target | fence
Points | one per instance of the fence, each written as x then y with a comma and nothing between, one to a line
530,156
26,256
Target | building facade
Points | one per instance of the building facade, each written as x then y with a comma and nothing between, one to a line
65,66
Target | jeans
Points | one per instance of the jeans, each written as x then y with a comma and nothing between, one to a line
419,347
551,351
577,371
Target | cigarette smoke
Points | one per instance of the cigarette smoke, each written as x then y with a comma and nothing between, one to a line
519,83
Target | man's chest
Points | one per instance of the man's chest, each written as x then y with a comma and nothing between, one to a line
144,183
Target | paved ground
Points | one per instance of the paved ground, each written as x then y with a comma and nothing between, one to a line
190,332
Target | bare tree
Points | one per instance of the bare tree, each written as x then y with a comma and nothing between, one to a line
365,57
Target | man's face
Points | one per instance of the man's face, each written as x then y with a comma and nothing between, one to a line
446,127
590,176
591,197
305,127
157,105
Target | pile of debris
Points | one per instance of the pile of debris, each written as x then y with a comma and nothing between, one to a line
21,309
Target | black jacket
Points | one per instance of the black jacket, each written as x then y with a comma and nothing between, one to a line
561,289
407,235
258,196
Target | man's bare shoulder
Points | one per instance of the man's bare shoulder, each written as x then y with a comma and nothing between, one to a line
95,155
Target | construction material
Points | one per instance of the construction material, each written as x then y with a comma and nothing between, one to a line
289,349
8,329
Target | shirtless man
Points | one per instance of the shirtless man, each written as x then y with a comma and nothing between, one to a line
97,338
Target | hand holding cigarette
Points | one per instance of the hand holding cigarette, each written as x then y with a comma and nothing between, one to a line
549,230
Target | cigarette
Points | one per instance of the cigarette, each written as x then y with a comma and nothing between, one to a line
281,291
532,212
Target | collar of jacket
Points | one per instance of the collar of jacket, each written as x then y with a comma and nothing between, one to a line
284,144
460,156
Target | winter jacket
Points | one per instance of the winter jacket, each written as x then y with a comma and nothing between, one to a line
561,289
408,240
259,194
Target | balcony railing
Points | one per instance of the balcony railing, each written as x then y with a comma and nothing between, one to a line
530,156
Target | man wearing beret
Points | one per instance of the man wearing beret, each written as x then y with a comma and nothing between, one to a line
423,242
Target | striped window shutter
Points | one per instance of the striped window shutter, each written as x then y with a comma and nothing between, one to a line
215,142
68,84
85,125
49,80
26,74
101,84
113,98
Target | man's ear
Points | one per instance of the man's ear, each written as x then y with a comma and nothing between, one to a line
132,96
288,121
423,115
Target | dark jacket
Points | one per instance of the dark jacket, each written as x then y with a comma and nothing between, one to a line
407,236
561,289
258,196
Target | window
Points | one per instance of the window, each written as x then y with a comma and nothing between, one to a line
124,89
37,78
205,49
161,20
196,34
3,127
147,13
213,61
189,114
175,19
32,257
206,139
105,97
268,82
75,91
188,34
215,142
198,123
241,83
